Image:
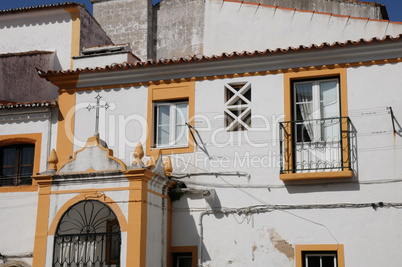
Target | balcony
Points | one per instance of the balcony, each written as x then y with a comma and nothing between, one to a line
315,149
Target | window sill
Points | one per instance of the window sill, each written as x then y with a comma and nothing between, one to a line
316,175
19,188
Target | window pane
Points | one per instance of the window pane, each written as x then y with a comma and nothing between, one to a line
184,261
9,171
181,114
313,261
163,115
328,261
163,135
304,92
28,154
9,155
329,99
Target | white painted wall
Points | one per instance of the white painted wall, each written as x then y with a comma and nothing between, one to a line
48,30
232,26
248,240
122,126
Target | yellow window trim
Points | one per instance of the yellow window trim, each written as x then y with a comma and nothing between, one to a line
33,138
310,73
335,247
187,249
170,92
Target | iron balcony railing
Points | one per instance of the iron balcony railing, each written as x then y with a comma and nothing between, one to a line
87,250
315,145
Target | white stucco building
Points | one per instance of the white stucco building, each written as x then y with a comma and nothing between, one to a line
276,142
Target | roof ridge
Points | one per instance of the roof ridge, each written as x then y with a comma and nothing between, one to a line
315,12
39,7
200,57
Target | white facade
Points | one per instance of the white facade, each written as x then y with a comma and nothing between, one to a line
234,197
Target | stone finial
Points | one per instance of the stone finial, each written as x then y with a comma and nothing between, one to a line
138,154
155,155
53,160
168,166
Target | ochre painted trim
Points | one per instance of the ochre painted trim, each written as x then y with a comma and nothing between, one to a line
336,247
99,196
137,216
21,188
95,141
78,191
156,193
184,90
314,73
42,219
65,127
75,32
31,138
315,175
184,249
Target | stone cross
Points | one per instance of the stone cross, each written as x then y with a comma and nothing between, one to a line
97,107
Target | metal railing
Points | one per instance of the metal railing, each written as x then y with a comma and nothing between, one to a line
87,250
315,145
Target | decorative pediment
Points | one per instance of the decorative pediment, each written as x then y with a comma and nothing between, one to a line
94,157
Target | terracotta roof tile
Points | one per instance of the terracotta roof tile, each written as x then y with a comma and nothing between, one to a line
28,53
34,8
5,104
199,57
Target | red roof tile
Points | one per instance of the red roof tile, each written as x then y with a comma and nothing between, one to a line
28,53
5,104
34,8
199,57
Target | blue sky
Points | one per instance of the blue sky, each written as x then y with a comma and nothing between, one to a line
394,7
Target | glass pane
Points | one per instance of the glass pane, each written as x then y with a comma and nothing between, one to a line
304,111
304,92
313,261
329,99
9,171
181,114
184,261
163,135
163,114
181,135
28,154
26,171
9,155
328,261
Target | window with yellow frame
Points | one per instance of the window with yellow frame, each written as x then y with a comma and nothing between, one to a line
170,111
315,136
320,255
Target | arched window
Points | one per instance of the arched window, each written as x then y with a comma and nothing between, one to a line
88,234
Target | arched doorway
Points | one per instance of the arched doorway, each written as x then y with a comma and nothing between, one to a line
88,234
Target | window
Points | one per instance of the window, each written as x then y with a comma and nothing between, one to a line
182,259
237,106
320,255
320,259
16,164
88,234
184,256
170,124
315,136
314,102
170,107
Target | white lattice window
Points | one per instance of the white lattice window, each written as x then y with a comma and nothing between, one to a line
238,106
